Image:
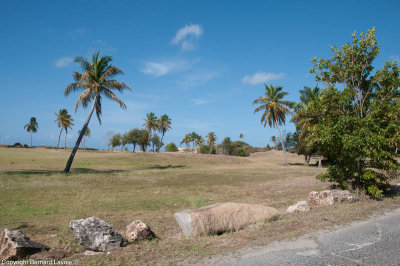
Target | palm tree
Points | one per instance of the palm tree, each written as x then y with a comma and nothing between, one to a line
193,137
64,120
187,139
199,141
85,135
164,124
32,126
211,139
275,109
95,81
151,123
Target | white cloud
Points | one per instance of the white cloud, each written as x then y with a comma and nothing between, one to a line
199,101
261,77
158,69
64,61
186,36
198,78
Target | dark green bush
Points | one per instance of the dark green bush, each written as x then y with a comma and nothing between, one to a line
171,147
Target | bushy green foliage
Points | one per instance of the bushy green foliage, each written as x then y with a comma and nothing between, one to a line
355,121
236,148
171,147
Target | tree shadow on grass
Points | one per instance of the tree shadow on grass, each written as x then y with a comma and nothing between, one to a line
163,167
53,172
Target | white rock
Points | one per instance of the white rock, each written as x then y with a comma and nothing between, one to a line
301,206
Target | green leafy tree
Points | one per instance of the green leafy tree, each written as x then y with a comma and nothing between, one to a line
143,139
134,137
115,141
64,121
156,142
32,127
171,147
309,97
85,135
274,110
241,136
357,115
97,80
124,140
164,124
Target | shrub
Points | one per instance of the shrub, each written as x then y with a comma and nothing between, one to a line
171,147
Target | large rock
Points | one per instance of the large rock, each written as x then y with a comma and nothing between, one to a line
301,206
222,217
14,245
95,234
137,230
330,197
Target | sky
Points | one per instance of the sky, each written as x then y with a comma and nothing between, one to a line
200,62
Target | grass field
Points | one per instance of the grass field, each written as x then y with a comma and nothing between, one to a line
119,187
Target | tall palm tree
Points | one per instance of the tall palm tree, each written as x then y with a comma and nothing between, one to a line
193,137
97,80
151,123
85,135
199,141
32,126
211,139
187,139
64,121
164,124
274,109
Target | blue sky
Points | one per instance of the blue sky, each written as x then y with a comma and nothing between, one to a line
200,62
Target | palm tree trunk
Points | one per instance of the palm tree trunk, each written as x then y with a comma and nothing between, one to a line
71,157
59,137
84,143
31,139
65,140
283,146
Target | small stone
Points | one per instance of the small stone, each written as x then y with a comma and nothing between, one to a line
137,230
15,246
96,235
330,197
91,253
301,206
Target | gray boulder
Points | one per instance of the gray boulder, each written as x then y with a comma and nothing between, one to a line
222,217
330,197
15,246
301,206
137,230
95,234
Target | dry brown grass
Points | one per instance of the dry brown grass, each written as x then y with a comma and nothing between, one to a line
121,186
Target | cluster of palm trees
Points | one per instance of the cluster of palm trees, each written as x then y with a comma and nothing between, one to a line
198,141
64,121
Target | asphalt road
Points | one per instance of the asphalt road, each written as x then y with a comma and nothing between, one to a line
372,242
